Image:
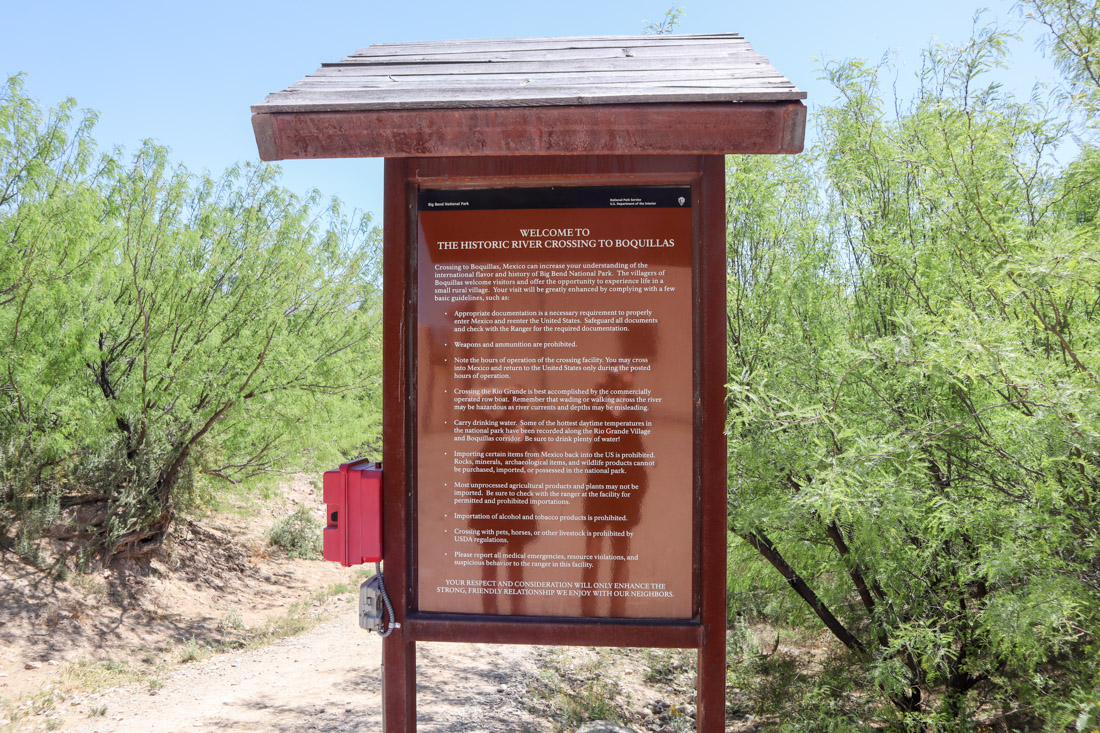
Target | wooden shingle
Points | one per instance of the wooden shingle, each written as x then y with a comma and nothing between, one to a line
527,72
381,84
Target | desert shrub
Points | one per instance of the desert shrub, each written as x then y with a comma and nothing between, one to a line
162,331
914,403
298,534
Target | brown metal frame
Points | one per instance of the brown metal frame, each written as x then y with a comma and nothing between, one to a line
706,630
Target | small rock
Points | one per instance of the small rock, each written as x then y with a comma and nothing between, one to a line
32,665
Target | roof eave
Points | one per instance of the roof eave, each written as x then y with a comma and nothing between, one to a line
606,129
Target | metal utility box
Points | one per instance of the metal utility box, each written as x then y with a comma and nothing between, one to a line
353,499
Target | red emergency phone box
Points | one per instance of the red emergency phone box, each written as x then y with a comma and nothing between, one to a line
353,495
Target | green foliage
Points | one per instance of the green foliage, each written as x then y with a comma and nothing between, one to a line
298,534
571,696
1089,719
193,651
1074,42
667,24
160,330
780,689
914,415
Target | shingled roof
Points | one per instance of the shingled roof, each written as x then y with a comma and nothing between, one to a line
521,72
720,76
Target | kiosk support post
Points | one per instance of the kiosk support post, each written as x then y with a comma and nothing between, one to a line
398,649
711,681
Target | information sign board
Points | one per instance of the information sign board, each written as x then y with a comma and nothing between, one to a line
554,420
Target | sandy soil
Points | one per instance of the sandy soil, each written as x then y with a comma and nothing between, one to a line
326,680
215,581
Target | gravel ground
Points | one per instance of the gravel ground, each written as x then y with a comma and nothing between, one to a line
326,680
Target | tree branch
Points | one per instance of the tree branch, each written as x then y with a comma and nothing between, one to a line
764,546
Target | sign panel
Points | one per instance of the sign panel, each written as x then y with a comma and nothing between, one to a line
554,364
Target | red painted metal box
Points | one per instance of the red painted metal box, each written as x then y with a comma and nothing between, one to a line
353,495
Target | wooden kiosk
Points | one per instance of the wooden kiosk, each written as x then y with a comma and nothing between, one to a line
554,330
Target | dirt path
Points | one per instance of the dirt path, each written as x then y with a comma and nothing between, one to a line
328,679
219,585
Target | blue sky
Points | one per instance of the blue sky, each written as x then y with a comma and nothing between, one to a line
185,74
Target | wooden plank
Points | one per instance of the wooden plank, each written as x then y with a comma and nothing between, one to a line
550,43
546,77
534,96
564,130
406,90
507,44
640,37
541,77
265,129
794,131
716,48
718,51
546,87
381,88
730,62
556,85
444,74
545,56
520,97
530,84
305,103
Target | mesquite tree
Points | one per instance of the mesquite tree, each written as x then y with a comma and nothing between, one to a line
914,397
156,326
